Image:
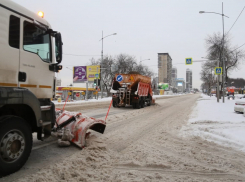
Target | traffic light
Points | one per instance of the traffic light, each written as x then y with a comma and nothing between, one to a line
95,82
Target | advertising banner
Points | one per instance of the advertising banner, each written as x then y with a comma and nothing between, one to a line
79,74
93,72
179,84
163,86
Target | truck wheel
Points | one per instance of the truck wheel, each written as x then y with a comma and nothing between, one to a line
15,144
149,103
134,105
138,105
142,103
114,104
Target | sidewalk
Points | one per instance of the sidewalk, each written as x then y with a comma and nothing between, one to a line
217,122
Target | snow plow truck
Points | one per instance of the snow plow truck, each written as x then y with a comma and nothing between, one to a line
132,89
30,54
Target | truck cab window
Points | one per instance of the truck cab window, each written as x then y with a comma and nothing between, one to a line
36,41
14,32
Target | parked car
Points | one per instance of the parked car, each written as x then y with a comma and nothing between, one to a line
239,106
241,96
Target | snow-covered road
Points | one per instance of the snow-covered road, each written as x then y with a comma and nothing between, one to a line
146,145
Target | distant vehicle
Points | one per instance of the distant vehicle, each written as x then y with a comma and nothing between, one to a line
132,89
230,97
230,90
239,106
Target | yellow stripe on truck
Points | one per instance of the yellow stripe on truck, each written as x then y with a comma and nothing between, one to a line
9,84
28,85
44,86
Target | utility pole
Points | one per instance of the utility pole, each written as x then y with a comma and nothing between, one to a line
222,58
101,81
97,83
217,90
223,61
86,96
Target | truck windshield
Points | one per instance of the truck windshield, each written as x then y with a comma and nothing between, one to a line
36,41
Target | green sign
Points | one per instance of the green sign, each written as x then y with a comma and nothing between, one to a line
163,86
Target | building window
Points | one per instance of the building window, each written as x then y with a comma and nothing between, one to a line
14,32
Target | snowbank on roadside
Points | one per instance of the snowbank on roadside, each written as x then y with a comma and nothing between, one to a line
159,96
106,99
217,122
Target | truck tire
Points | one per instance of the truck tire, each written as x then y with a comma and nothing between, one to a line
15,143
114,104
138,106
142,103
134,105
149,103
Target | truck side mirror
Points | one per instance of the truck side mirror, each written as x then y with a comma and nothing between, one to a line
58,47
55,67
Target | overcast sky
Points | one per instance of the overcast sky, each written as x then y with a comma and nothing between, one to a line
144,28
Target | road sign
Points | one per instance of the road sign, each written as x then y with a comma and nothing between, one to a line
188,61
119,78
77,94
96,75
218,70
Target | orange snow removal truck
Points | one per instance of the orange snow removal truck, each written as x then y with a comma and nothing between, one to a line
132,89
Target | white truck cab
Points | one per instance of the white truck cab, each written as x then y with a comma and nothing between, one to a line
30,54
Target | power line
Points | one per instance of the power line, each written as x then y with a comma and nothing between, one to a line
236,20
238,47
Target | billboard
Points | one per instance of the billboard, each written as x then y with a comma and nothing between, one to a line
163,86
92,71
179,84
85,73
79,74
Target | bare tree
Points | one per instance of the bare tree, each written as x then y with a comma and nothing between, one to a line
232,56
207,75
215,51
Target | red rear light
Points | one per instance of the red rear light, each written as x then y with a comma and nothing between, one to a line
236,103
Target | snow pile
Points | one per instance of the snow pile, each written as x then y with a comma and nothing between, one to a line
74,102
82,166
217,122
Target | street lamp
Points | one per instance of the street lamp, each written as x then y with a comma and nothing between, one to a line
223,62
101,82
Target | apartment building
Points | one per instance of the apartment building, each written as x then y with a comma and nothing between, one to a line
164,68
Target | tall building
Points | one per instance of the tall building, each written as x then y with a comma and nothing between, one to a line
174,76
188,79
164,68
180,84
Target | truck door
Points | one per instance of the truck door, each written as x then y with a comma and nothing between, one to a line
35,57
9,48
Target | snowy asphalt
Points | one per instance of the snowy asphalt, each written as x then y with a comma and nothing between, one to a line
138,145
